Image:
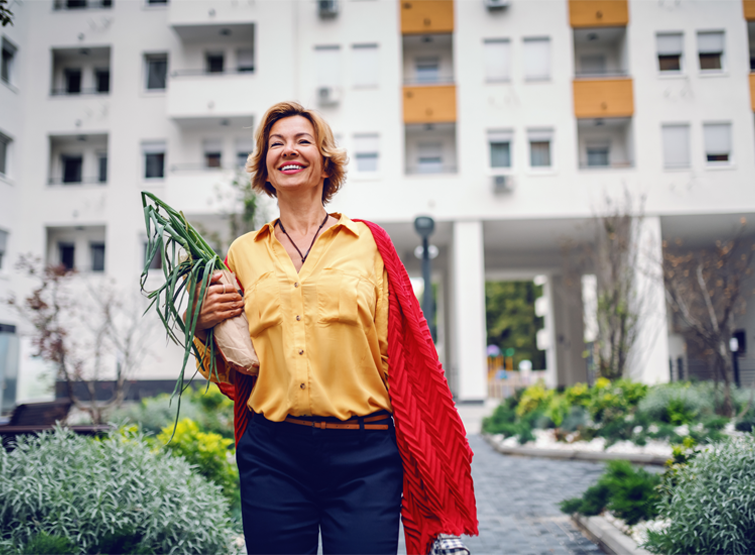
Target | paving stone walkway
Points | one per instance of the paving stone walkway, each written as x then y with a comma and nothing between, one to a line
517,503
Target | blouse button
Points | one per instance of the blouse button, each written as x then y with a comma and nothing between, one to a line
298,317
301,351
302,386
296,284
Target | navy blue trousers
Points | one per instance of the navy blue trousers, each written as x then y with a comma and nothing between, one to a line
298,481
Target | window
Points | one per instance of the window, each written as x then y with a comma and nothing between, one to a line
73,81
157,71
244,60
7,61
670,48
244,147
154,160
97,256
717,143
72,165
540,148
592,64
214,62
365,65
102,168
4,148
213,149
73,4
366,152
497,60
328,66
537,59
598,155
429,158
500,149
675,146
3,246
102,79
66,255
427,69
710,49
156,2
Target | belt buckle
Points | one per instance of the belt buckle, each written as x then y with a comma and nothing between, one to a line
321,425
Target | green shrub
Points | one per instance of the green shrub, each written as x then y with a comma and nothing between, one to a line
107,496
614,400
211,453
677,403
534,398
712,507
46,544
627,492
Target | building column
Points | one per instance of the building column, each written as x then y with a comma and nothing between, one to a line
649,360
468,321
568,320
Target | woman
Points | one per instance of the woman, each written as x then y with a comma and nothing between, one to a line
320,452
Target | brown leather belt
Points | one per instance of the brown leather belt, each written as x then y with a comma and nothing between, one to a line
349,425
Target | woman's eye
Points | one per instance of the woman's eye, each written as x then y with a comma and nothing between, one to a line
276,144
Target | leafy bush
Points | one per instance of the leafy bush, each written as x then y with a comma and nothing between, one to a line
677,403
535,397
504,421
711,507
210,452
45,544
612,400
114,495
627,492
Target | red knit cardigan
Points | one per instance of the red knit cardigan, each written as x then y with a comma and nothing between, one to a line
438,492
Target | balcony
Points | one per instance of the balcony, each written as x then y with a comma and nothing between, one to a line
605,143
200,190
427,16
752,91
430,149
749,9
77,71
598,13
189,13
603,98
78,160
429,104
600,52
201,97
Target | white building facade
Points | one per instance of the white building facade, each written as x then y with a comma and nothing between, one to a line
507,121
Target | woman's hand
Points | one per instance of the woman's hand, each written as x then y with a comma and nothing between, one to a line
220,303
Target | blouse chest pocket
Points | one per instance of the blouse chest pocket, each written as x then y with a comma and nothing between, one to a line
337,298
262,304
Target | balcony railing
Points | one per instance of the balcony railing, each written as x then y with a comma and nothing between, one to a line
81,4
610,166
83,181
606,74
435,80
430,169
198,72
64,92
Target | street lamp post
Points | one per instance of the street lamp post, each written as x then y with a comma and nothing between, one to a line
424,226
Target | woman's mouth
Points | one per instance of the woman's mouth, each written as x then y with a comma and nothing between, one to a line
290,169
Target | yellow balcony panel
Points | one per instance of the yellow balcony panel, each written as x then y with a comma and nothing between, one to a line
598,13
603,98
752,91
419,17
430,104
749,8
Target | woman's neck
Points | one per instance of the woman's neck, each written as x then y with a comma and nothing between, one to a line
301,213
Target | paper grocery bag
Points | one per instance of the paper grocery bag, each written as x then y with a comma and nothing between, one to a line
232,337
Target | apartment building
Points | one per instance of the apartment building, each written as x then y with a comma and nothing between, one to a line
507,121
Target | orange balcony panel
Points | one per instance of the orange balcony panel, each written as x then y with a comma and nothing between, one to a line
752,91
430,104
603,98
420,17
598,13
749,8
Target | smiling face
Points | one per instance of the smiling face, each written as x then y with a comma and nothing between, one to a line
293,159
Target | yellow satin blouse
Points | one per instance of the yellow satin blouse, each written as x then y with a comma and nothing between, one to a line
321,334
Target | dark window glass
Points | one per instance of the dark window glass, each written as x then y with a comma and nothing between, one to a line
540,154
97,252
214,63
72,169
597,156
66,254
73,81
212,159
717,157
107,3
710,61
5,65
500,154
241,158
157,2
73,4
670,62
752,61
103,80
102,177
155,165
157,71
4,142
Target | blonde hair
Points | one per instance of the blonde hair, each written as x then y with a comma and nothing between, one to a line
333,158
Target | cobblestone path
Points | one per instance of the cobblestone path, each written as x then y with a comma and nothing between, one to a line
517,503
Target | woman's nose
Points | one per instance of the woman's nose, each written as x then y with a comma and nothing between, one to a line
289,150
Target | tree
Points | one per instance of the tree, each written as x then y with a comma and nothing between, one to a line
6,16
706,288
86,329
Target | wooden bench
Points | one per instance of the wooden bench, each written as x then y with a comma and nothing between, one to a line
30,418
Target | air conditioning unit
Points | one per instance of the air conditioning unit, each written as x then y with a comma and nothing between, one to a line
328,96
497,4
327,8
503,184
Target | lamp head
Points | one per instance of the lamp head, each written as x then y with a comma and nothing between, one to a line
424,226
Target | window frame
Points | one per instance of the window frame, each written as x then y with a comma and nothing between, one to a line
361,153
504,136
93,259
64,160
687,128
150,57
721,55
540,135
8,63
535,78
374,48
150,148
486,54
64,245
729,162
667,54
5,151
